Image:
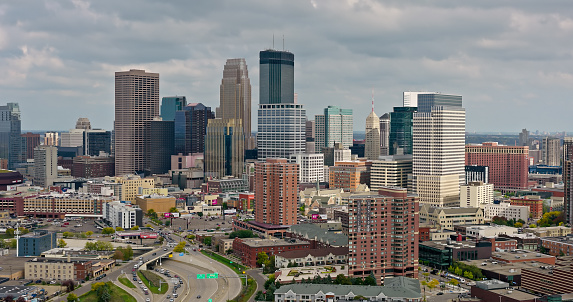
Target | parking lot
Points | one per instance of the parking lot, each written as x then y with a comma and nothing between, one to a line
201,223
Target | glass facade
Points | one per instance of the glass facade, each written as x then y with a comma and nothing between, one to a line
10,131
161,146
427,101
190,128
276,82
95,141
401,121
170,105
281,130
334,126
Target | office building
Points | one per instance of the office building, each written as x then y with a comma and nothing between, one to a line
477,173
567,159
83,123
51,139
334,126
276,189
424,101
73,138
191,127
45,165
281,130
385,134
551,151
383,234
159,203
506,210
35,243
31,141
276,80
10,131
170,105
448,217
524,137
56,205
160,145
310,133
438,149
401,127
535,204
311,167
390,171
126,187
476,194
410,98
93,166
122,215
224,148
508,166
372,142
336,154
235,97
136,103
96,141
349,175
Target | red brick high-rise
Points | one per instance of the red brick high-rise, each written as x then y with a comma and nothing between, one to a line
508,165
383,234
32,141
276,183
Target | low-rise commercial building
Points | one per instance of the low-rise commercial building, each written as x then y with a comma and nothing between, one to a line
225,185
502,244
549,280
558,246
35,243
534,203
56,205
447,217
556,231
527,241
481,231
496,290
506,210
122,215
442,254
522,256
66,269
248,248
312,257
159,203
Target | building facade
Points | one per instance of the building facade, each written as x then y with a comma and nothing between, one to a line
349,175
122,215
11,147
191,127
476,194
45,165
447,217
390,171
281,130
160,145
551,151
93,166
385,134
170,105
276,189
372,142
534,203
276,77
32,140
400,139
335,125
506,210
311,167
35,243
224,148
568,178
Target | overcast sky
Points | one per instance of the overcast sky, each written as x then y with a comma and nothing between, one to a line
510,60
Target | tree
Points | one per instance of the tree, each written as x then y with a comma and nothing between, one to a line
21,299
62,243
128,253
200,214
242,234
104,294
135,228
67,234
69,284
180,248
98,246
341,279
173,210
72,297
433,284
118,254
191,237
10,232
89,233
458,271
13,243
148,225
167,223
518,224
107,231
454,282
532,225
229,251
207,241
370,280
97,285
9,298
119,229
262,258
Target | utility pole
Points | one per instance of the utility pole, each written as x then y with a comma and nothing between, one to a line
17,232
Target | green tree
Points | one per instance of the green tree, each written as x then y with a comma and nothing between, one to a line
67,234
173,210
119,229
148,225
433,284
370,280
180,247
262,258
72,297
89,233
458,271
451,269
518,224
104,293
62,243
128,253
152,214
97,285
118,254
167,223
107,231
13,243
341,279
454,282
135,228
242,234
10,232
207,241
532,225
200,214
191,237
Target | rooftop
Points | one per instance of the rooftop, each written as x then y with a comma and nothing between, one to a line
257,242
314,232
337,251
520,255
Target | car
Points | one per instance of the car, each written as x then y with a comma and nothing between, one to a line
134,279
140,282
198,296
440,293
168,296
154,254
147,300
165,249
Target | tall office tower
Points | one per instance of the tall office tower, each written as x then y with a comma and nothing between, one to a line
410,99
170,105
235,97
383,233
551,151
96,141
334,126
508,166
83,123
224,148
310,131
401,125
276,187
426,100
438,149
390,171
568,178
190,128
160,145
51,138
372,142
524,137
10,134
32,140
384,134
281,127
45,165
136,102
73,138
311,166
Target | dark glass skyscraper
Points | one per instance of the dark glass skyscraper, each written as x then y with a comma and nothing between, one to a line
96,140
401,121
161,146
276,77
190,128
170,105
10,134
427,101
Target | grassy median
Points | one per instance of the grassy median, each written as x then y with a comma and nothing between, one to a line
152,281
126,282
117,295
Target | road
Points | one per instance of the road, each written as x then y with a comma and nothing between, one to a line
259,278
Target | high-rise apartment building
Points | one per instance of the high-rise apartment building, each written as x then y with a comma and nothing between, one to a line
224,148
311,166
45,165
524,137
235,97
551,151
401,135
383,234
276,191
334,126
508,166
31,141
372,141
160,145
136,103
438,149
568,178
276,77
170,105
10,131
190,128
390,171
384,134
476,195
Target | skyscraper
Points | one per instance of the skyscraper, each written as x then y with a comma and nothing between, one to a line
401,123
524,137
45,165
281,126
334,126
276,187
235,96
507,166
32,140
96,141
10,131
170,105
551,151
136,102
439,149
568,178
190,128
83,123
372,142
384,134
224,148
160,145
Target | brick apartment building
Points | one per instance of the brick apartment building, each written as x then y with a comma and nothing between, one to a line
508,165
248,248
348,175
534,203
383,234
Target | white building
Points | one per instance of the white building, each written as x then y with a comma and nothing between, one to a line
490,231
74,138
281,130
505,209
476,194
122,215
311,166
342,155
45,165
411,98
385,134
390,171
334,126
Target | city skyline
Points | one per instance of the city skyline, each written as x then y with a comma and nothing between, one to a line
511,59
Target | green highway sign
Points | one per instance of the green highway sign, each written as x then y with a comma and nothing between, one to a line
213,276
210,300
200,276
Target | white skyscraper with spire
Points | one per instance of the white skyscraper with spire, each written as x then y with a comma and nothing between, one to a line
372,143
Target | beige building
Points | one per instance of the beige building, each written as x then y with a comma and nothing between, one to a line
372,142
45,165
446,217
556,231
129,185
49,269
224,148
476,194
507,210
390,171
136,102
159,203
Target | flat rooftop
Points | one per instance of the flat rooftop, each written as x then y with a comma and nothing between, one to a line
255,242
505,269
520,255
514,294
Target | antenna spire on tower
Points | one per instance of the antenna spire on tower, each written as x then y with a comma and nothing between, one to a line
372,99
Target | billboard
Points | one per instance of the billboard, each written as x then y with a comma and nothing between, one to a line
230,211
148,236
171,215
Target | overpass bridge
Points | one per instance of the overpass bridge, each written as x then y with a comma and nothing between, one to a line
155,260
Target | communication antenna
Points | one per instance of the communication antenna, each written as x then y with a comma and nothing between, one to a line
372,99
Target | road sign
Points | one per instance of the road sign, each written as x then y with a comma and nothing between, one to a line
213,276
210,300
200,276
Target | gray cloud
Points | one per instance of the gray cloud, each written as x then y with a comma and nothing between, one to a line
511,62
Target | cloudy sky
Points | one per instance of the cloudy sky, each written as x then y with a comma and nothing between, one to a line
510,60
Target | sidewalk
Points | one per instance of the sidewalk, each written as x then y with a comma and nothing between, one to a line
130,291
